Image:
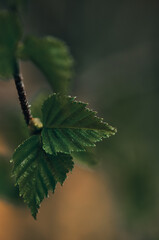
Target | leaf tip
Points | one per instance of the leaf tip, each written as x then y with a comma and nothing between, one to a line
34,215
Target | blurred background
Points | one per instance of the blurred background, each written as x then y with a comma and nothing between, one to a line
115,47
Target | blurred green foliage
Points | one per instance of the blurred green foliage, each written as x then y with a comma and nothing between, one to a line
10,34
52,57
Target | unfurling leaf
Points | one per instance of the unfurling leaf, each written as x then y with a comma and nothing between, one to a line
10,34
37,172
69,126
52,57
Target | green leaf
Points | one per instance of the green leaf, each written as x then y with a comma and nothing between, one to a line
52,57
10,34
60,165
70,126
7,189
37,172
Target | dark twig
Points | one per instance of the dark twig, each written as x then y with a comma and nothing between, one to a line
22,94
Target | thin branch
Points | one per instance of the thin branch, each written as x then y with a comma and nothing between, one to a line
22,94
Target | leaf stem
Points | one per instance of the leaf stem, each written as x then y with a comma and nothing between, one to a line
18,79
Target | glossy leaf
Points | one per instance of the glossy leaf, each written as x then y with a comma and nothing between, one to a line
52,57
37,172
70,126
10,34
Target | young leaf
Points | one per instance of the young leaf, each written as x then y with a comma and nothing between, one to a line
70,126
10,34
37,172
52,57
